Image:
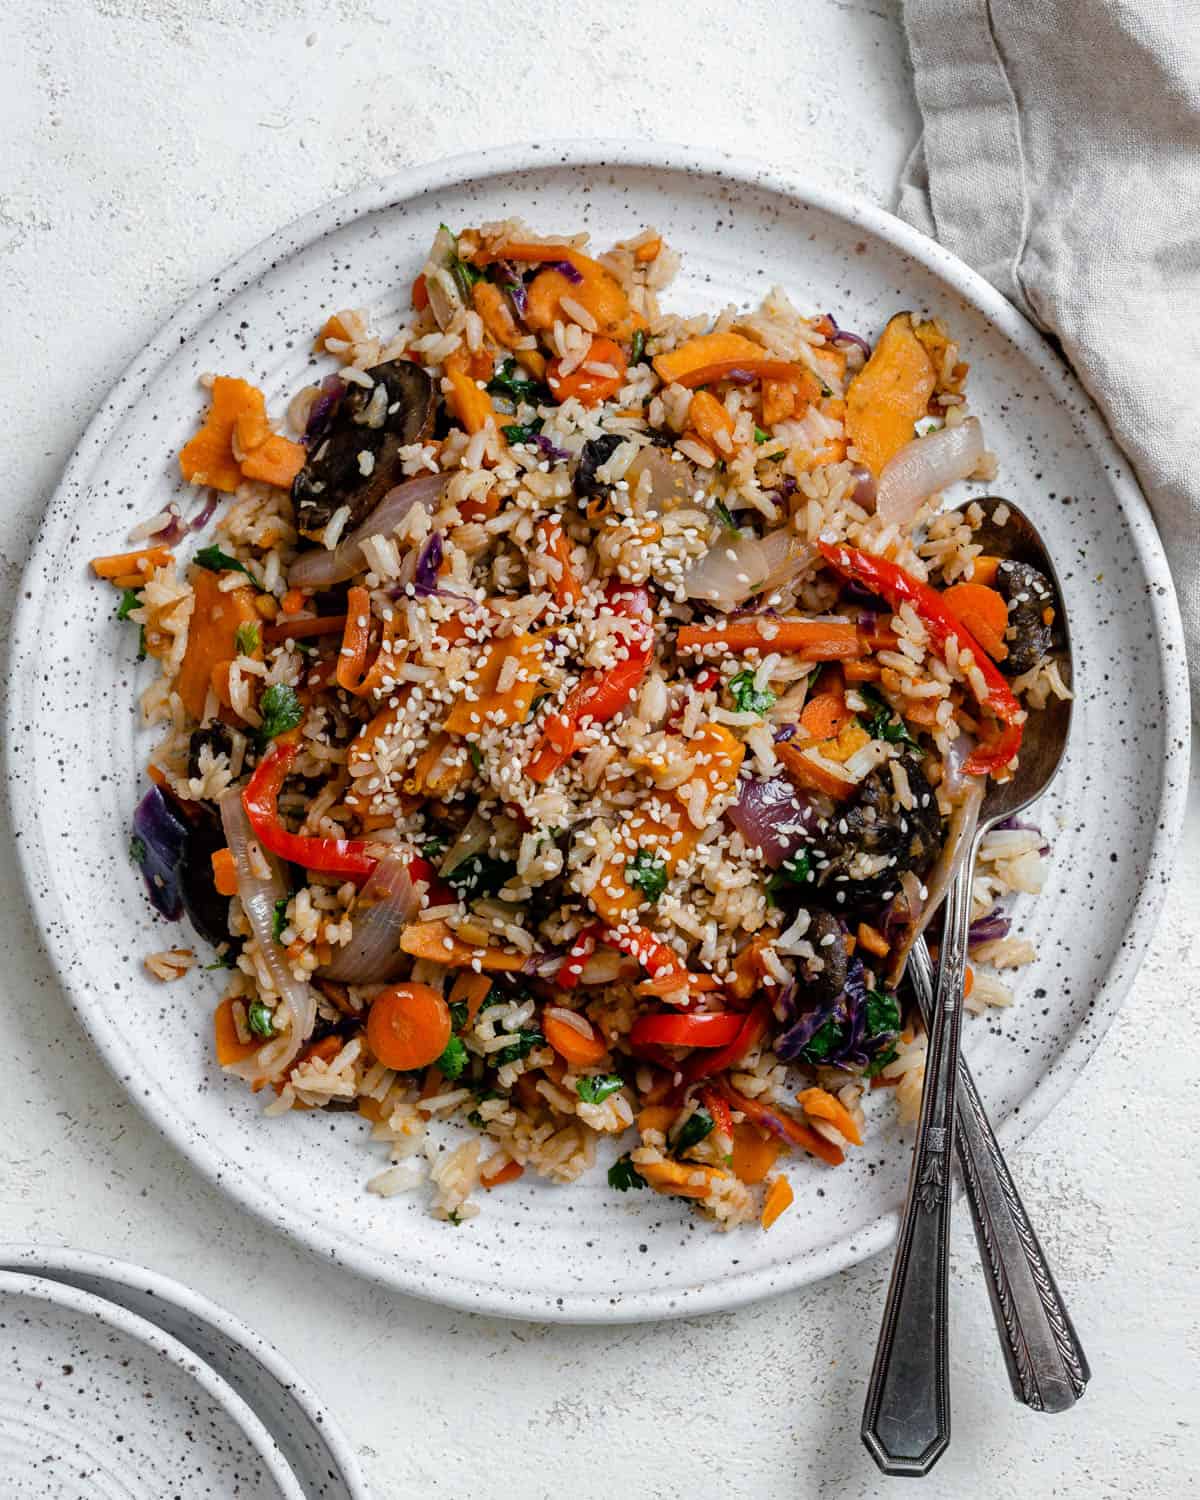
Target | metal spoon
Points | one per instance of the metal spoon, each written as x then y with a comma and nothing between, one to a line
906,1421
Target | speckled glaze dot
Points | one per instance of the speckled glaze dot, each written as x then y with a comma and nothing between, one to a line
537,1250
297,1420
96,1401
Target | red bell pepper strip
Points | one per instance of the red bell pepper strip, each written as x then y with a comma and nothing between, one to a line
708,1064
656,957
718,1106
599,696
687,1029
783,1125
898,587
334,856
580,951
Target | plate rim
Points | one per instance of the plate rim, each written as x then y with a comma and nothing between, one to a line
453,1289
159,1342
54,1262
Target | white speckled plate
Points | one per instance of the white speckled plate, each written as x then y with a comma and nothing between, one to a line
96,1401
76,752
297,1420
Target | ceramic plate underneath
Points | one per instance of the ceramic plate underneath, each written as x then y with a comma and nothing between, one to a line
294,1416
584,1252
95,1401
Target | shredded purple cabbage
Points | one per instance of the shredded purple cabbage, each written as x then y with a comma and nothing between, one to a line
855,1047
783,1002
205,513
321,412
573,275
510,279
842,336
784,732
429,562
741,377
546,447
989,929
158,849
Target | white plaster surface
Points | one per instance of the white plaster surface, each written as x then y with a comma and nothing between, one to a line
144,143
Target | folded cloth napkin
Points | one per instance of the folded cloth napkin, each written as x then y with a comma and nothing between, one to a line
1061,159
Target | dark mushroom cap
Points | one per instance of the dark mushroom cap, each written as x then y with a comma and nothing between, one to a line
876,823
1029,595
356,460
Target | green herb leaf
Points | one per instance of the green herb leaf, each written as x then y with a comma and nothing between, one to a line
512,382
795,870
279,918
217,561
458,1014
535,705
434,846
137,849
597,1089
649,873
748,699
453,1060
454,1217
623,1175
883,1013
260,1020
883,723
479,875
281,710
726,516
822,1042
247,639
522,1044
694,1129
226,960
476,755
516,433
760,436
879,1062
129,602
637,346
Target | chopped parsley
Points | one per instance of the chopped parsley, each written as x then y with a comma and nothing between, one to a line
226,960
535,705
476,755
760,436
883,723
137,849
464,273
637,346
434,846
883,1014
129,602
795,870
281,710
479,875
510,381
247,639
649,873
694,1129
458,1014
597,1089
515,432
623,1175
747,698
453,1060
217,561
279,918
726,516
522,1044
822,1042
878,1063
260,1020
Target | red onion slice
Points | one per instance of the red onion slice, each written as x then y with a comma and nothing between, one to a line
258,898
386,903
924,467
774,816
319,569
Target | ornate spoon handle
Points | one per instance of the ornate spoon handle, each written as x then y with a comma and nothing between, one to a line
1046,1364
906,1422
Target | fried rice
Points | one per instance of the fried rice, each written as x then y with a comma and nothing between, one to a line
566,719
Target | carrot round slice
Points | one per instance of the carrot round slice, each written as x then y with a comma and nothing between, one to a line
408,1026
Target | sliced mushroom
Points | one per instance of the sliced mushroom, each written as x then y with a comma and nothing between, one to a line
875,838
357,460
1030,600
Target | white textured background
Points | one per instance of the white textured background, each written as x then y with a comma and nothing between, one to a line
143,143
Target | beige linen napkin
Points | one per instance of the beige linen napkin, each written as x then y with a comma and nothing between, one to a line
1061,159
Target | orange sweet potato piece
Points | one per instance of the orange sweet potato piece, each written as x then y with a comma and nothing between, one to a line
469,404
889,394
229,1048
276,460
489,705
208,457
212,635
